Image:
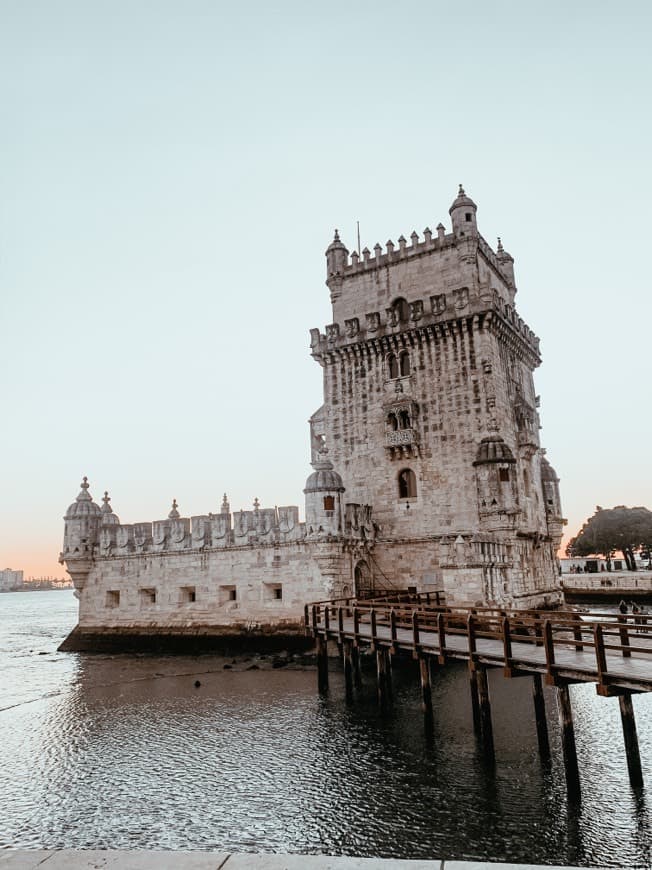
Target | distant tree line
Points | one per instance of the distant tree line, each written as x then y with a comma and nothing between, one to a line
612,530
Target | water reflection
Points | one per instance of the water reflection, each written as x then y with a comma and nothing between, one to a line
126,752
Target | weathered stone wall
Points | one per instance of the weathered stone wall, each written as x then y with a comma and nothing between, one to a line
258,585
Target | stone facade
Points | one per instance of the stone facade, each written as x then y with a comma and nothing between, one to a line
428,470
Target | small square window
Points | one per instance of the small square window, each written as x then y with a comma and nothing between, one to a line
187,595
226,594
273,591
113,598
503,474
147,597
468,217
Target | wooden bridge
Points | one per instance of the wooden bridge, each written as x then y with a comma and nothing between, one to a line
561,647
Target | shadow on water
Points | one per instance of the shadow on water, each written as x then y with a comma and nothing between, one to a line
127,752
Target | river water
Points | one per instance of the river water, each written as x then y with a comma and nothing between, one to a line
126,752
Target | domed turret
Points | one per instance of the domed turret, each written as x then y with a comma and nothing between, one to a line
496,482
462,212
506,266
323,491
550,486
108,517
83,506
493,449
336,257
81,534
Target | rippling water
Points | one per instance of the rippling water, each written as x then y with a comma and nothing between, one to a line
125,752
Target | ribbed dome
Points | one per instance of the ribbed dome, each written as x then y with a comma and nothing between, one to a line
548,473
324,478
108,517
493,449
83,506
461,201
336,244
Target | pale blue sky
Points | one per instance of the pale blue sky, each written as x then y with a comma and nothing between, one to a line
171,173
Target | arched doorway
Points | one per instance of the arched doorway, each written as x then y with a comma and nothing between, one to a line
362,580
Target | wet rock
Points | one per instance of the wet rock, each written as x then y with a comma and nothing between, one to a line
253,668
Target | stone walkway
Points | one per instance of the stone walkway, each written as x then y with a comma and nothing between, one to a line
73,859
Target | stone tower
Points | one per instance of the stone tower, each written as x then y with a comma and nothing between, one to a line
430,414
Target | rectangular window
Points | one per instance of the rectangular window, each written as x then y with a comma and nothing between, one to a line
113,598
147,597
187,595
503,474
272,591
226,594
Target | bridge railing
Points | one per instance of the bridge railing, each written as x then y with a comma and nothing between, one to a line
527,640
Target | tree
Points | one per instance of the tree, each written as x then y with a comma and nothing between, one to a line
619,528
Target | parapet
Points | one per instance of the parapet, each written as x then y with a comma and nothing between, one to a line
432,311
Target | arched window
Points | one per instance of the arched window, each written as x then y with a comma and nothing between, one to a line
403,420
405,363
402,310
407,484
329,503
392,366
392,422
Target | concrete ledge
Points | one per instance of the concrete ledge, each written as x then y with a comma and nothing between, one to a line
127,859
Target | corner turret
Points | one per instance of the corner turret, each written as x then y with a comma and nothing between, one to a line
81,535
462,212
506,267
337,256
323,493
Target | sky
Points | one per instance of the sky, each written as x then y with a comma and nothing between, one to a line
172,172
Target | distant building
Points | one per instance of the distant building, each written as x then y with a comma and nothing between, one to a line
10,580
428,470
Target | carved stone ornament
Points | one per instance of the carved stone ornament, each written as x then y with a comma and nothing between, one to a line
438,303
333,331
416,310
392,316
373,321
352,327
461,298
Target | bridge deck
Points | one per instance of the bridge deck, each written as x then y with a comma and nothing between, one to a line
615,653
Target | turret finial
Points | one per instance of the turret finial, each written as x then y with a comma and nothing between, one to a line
500,246
106,498
174,513
256,504
336,237
84,483
461,191
226,507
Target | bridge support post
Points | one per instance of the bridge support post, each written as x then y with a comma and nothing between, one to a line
568,741
322,664
485,713
348,669
540,717
384,689
475,700
426,691
631,740
357,671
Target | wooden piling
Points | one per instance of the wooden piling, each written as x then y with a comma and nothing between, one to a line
487,730
631,740
426,690
357,670
540,717
475,701
322,664
348,669
568,741
381,667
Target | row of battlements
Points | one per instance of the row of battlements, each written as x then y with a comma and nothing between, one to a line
439,308
341,264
